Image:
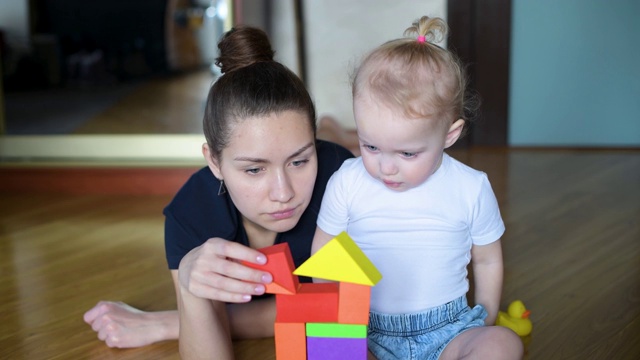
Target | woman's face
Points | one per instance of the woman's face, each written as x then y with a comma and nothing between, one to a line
269,169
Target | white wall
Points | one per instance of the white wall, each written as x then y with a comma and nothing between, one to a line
339,32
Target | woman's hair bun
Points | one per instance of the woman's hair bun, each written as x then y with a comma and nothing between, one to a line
243,46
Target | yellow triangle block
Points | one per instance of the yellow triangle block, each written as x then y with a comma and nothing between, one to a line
341,260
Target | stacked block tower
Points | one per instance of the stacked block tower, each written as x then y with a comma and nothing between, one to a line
321,320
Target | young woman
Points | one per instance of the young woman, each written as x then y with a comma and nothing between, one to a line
263,185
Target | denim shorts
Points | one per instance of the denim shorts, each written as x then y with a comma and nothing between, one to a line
421,335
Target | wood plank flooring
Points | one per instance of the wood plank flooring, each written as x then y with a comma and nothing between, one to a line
572,254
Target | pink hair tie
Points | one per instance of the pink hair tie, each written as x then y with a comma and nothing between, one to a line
421,39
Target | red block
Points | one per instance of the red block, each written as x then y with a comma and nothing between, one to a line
291,341
280,265
353,303
312,303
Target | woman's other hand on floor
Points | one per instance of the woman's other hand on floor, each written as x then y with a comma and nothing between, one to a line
122,326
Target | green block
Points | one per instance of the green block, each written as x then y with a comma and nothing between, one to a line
336,330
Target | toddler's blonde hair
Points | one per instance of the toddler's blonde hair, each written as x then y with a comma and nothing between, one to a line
415,75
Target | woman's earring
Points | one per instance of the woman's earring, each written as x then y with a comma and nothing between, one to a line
221,189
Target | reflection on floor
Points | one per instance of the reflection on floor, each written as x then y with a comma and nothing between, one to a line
165,105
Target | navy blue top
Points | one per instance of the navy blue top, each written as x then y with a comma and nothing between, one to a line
197,213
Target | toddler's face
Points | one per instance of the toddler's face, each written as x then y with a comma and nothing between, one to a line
400,152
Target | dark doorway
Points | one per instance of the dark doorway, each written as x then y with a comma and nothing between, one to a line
480,35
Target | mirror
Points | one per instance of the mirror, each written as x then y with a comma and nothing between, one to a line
88,97
134,67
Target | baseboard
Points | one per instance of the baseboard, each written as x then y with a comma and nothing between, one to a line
103,180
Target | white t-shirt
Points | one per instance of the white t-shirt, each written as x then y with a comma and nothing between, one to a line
420,239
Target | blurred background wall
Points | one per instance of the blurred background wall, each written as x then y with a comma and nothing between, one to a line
575,73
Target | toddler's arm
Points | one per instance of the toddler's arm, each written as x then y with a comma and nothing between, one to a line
487,274
320,238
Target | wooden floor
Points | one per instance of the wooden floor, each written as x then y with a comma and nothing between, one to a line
572,254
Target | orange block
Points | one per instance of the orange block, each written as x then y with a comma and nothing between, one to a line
312,303
353,303
291,341
280,265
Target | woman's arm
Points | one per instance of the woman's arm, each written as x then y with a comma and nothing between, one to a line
204,326
487,274
208,277
252,320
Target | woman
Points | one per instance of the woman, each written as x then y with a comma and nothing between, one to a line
263,185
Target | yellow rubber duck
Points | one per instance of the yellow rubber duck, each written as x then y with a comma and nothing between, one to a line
516,318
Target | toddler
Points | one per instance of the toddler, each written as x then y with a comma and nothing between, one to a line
418,214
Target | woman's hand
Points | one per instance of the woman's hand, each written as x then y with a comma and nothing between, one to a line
122,326
213,271
208,277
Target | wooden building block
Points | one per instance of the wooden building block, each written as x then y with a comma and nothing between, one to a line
341,260
319,348
312,303
291,341
353,303
335,330
280,265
